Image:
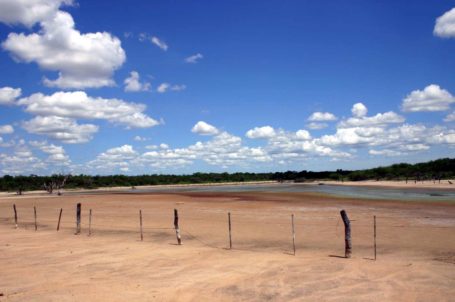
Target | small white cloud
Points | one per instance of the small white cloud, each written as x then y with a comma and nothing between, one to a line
432,98
194,58
445,25
140,138
359,110
261,132
450,117
132,83
178,87
317,126
8,95
204,128
159,43
163,87
322,117
142,37
164,146
6,129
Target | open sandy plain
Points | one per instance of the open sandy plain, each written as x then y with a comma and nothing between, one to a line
415,255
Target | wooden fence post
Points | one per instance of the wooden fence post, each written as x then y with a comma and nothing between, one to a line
59,218
90,223
230,230
140,223
78,219
176,226
293,233
36,225
347,234
15,215
374,218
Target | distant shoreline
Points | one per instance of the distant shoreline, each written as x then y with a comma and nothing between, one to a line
444,185
394,184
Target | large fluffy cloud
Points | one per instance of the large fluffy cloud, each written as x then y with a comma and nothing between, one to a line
79,105
28,12
445,25
63,129
432,98
81,60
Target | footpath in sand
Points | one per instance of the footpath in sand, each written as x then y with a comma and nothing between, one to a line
416,249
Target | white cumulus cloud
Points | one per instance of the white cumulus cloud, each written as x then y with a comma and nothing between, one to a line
81,60
322,117
204,128
63,129
78,104
261,132
133,83
29,12
445,25
6,129
359,110
431,98
8,95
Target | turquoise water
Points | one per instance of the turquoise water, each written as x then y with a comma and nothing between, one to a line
344,191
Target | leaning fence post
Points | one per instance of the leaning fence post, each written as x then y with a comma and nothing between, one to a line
293,233
347,234
176,226
15,215
140,223
374,219
230,230
78,219
36,225
59,218
90,223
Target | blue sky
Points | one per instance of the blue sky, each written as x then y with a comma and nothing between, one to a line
102,87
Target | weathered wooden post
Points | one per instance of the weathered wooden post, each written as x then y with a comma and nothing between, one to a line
36,225
347,234
59,219
176,226
78,219
140,223
293,233
90,223
15,215
374,219
230,230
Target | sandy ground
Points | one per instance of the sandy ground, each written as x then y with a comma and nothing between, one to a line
416,249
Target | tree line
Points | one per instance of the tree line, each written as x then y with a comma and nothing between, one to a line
433,170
